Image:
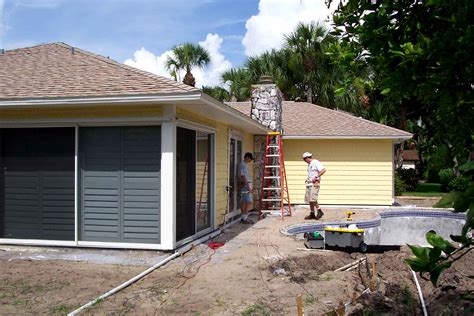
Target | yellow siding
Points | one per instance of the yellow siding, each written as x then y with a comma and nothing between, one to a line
103,111
222,158
73,112
357,171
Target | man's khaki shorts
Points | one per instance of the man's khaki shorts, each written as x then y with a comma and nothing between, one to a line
311,195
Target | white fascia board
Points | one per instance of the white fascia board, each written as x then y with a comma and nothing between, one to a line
127,99
393,137
247,120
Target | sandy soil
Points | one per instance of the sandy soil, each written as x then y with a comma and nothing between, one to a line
257,272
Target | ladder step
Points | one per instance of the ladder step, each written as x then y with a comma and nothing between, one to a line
272,155
275,166
273,146
271,200
272,177
272,188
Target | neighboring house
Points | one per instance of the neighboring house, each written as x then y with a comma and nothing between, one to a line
410,159
357,153
94,153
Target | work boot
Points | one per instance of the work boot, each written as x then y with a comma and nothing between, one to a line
246,221
311,216
320,214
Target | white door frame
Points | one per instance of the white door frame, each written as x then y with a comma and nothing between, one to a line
238,136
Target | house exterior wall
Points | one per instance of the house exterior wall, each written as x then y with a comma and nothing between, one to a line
222,134
358,172
74,112
58,116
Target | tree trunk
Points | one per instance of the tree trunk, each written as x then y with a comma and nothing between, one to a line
189,79
310,94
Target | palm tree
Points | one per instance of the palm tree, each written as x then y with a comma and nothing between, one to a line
307,41
217,93
239,81
185,57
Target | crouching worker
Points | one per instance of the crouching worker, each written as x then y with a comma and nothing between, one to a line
246,188
315,171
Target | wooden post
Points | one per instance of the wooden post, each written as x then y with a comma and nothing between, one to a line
299,302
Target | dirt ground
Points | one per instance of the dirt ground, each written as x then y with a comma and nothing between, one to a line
258,271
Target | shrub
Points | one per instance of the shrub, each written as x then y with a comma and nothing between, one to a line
410,177
458,184
438,160
400,185
445,177
428,187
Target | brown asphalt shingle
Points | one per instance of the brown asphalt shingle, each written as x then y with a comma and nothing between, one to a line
58,71
306,119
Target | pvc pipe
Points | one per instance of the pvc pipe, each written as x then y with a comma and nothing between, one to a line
124,285
420,294
178,252
347,266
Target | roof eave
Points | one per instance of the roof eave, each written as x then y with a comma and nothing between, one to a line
94,100
392,137
256,127
184,98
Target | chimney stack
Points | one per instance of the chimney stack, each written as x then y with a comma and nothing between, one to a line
267,104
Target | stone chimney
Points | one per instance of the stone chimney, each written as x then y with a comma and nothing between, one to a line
267,104
266,108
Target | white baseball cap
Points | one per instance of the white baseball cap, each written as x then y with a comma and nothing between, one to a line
307,155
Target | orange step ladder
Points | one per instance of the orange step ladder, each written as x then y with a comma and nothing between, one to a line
274,183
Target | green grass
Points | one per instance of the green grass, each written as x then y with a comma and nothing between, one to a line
255,309
424,194
61,309
309,300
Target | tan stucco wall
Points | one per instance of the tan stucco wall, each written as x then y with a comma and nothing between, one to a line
358,172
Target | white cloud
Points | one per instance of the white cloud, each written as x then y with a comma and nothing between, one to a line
276,18
147,61
209,76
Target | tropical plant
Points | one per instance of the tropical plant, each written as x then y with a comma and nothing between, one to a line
419,55
185,57
239,82
441,255
217,93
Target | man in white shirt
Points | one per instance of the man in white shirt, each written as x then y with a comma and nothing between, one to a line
315,171
247,188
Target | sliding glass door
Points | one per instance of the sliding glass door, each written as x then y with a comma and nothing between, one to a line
194,161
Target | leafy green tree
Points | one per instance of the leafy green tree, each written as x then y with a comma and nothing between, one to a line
239,82
185,57
419,56
307,41
217,93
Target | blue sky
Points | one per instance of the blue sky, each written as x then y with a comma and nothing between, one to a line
141,32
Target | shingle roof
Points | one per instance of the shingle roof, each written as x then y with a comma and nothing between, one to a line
58,70
310,120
